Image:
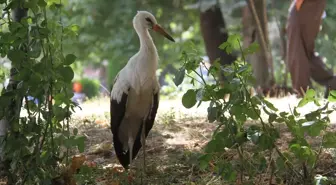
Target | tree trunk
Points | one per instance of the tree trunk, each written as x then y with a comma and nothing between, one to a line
255,28
214,33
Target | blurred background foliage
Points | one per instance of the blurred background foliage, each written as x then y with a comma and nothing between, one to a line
103,36
106,30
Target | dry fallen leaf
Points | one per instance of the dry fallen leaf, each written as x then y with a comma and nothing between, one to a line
76,162
103,123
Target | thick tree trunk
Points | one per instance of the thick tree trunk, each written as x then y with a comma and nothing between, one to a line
214,33
255,28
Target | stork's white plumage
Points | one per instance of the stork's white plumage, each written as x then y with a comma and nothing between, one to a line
135,93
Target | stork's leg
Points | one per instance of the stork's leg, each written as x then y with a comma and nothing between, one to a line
130,147
143,142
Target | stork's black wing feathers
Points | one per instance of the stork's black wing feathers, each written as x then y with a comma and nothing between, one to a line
117,111
151,118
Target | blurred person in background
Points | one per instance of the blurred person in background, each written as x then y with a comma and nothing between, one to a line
303,25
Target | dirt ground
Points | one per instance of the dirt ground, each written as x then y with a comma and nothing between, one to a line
173,145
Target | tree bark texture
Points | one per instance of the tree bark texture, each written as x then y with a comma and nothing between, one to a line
214,33
302,29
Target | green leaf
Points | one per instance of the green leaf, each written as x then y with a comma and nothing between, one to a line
317,103
60,114
42,3
189,99
228,172
252,48
329,140
265,142
303,102
179,76
332,97
204,161
219,143
69,59
283,114
295,148
243,69
80,142
256,100
314,128
35,51
14,26
233,42
313,115
31,5
309,96
310,93
333,92
296,113
272,118
270,105
212,146
241,137
221,93
212,114
16,56
67,73
253,113
226,46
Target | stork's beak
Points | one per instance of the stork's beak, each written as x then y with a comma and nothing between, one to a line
160,30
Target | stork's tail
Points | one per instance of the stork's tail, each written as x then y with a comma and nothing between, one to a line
123,157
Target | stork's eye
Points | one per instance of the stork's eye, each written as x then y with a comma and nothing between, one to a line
149,20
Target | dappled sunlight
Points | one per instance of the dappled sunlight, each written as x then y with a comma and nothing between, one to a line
170,152
174,145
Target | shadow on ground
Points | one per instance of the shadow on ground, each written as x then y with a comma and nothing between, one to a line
173,147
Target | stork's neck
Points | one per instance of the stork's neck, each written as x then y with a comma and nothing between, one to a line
147,46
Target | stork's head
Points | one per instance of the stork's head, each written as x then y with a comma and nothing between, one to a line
145,20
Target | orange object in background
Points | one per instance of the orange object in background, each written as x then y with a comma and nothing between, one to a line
298,4
77,87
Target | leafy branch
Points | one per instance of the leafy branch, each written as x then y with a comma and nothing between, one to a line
231,105
37,142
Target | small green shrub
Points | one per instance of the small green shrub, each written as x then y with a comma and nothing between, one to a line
90,87
39,141
256,146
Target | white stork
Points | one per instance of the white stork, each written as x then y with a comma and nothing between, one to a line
135,93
